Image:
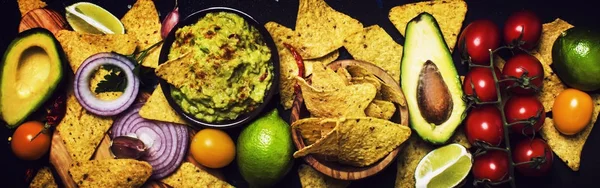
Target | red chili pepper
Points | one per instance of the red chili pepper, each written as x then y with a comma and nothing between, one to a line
56,110
299,63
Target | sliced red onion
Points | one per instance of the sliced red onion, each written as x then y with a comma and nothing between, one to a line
88,100
166,143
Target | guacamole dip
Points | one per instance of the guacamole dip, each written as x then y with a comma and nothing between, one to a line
230,64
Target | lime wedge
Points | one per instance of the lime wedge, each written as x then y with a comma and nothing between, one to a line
446,166
86,17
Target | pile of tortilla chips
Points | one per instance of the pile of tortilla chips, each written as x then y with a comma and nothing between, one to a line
110,173
350,116
43,179
319,32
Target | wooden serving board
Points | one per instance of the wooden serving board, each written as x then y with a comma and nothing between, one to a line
61,160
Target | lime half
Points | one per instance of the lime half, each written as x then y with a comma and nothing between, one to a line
86,17
446,166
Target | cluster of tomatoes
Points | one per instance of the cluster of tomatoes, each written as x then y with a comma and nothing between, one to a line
521,78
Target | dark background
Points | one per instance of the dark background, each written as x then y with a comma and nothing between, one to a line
369,12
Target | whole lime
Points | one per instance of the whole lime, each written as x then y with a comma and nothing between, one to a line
576,58
264,150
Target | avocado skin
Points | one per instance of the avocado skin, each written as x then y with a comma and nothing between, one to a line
424,41
57,83
576,58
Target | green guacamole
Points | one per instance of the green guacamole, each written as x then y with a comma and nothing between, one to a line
231,67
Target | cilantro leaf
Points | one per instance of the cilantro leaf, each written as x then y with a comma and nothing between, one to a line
115,81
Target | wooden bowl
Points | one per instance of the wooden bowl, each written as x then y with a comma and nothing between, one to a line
337,170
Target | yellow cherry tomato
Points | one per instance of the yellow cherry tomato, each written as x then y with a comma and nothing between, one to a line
212,148
572,111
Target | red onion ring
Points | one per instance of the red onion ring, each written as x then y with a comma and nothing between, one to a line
167,142
88,100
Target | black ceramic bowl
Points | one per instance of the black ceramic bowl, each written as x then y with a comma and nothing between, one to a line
242,118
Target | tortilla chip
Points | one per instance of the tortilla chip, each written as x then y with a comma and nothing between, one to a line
157,108
359,71
498,61
390,94
287,63
364,141
177,71
188,175
375,46
327,146
345,75
347,101
310,178
27,5
313,129
43,179
81,131
371,80
568,148
80,46
324,78
110,173
413,151
321,29
550,32
142,22
380,109
449,14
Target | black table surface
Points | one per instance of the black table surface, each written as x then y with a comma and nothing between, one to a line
369,12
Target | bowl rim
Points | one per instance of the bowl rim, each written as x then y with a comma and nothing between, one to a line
349,172
244,117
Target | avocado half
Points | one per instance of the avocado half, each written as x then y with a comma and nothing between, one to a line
430,81
30,71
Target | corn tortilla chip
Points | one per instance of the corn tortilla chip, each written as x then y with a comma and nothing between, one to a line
380,109
157,108
449,14
364,141
43,179
367,79
80,130
345,75
413,151
499,62
359,141
110,173
177,71
568,148
321,29
390,94
142,22
310,178
80,46
324,78
313,129
375,46
347,101
27,5
287,63
188,175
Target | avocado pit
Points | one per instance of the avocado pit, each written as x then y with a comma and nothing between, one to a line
433,96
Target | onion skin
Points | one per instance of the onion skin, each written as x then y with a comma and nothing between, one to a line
170,141
88,100
169,22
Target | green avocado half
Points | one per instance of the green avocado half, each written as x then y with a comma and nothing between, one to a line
430,81
30,71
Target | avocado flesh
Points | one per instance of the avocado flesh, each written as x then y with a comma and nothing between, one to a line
576,58
423,45
30,71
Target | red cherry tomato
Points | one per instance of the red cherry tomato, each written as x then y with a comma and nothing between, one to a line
484,123
527,150
478,38
483,82
520,64
25,145
492,165
525,22
522,108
